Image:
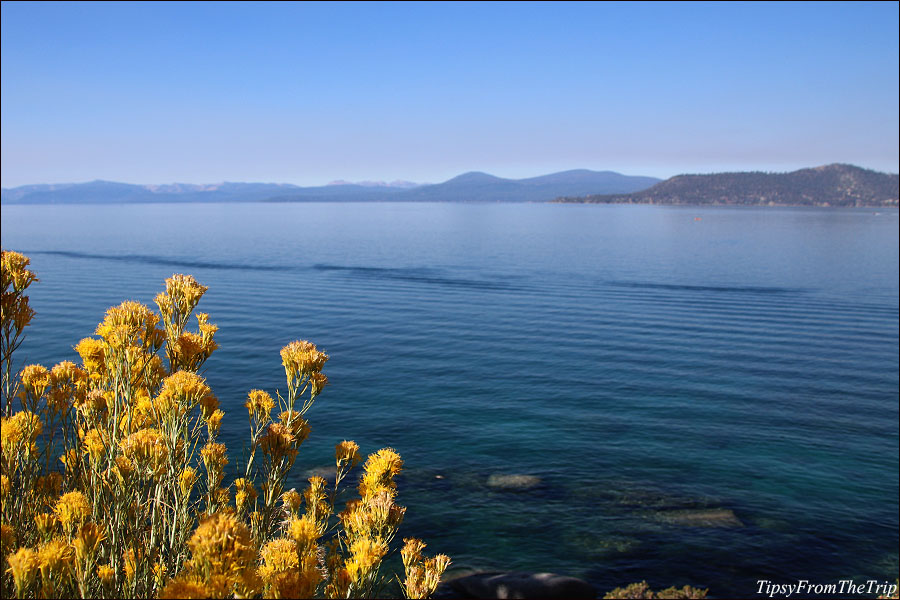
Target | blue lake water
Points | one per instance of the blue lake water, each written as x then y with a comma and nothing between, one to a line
645,362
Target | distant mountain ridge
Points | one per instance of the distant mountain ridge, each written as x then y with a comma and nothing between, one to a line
111,192
468,187
483,187
829,185
399,183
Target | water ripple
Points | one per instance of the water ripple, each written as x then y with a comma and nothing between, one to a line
705,288
417,275
161,260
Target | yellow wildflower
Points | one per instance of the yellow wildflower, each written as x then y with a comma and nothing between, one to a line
94,406
279,441
24,426
244,493
72,509
4,487
316,498
346,453
124,468
317,382
94,446
35,380
181,296
92,353
159,574
277,556
422,577
106,574
183,389
23,565
286,574
209,404
55,559
220,497
376,516
145,449
15,309
214,423
259,405
186,481
191,350
66,372
46,524
365,557
411,551
185,587
222,545
304,531
214,459
87,542
339,584
129,324
59,400
67,386
71,460
292,500
15,272
301,358
144,413
380,469
188,348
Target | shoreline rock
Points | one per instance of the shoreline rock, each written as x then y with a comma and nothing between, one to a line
499,481
516,584
710,517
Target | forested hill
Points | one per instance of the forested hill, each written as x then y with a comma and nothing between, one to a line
830,185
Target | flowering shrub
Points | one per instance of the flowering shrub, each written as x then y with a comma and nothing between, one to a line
113,481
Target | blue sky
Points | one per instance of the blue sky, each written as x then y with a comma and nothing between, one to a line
307,93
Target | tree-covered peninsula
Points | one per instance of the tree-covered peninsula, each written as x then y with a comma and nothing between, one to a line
830,185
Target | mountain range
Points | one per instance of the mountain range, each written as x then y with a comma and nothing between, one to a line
469,187
829,185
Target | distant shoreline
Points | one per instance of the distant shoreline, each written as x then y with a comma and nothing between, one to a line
825,186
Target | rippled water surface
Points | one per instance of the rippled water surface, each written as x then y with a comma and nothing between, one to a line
708,396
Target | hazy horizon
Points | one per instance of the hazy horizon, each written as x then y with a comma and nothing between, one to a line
398,183
309,93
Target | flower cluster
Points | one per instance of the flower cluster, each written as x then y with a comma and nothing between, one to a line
101,461
422,574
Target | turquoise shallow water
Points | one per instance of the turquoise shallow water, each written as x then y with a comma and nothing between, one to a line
644,364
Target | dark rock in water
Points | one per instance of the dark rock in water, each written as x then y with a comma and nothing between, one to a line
513,482
520,585
712,517
599,546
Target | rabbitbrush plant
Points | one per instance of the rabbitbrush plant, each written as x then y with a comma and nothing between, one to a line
113,481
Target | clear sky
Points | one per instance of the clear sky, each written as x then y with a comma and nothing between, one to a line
307,93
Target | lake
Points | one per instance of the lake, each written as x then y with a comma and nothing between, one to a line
708,396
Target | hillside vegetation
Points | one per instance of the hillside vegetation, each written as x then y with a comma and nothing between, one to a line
830,185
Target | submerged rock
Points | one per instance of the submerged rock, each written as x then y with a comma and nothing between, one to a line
325,472
597,546
513,482
521,585
710,517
